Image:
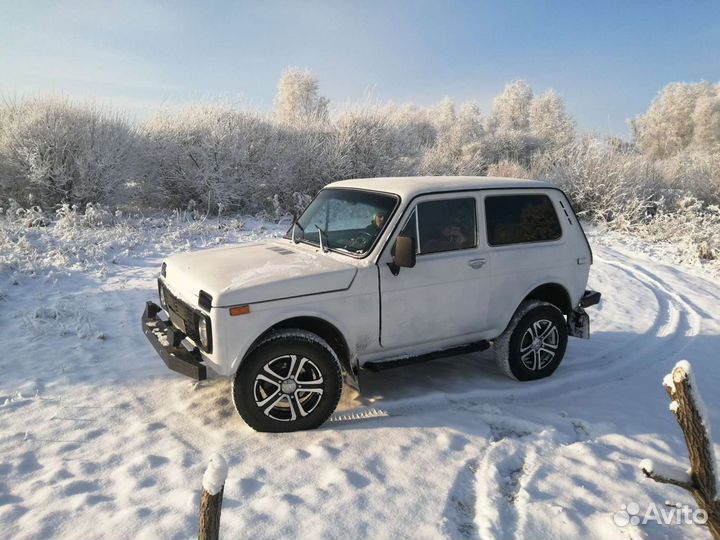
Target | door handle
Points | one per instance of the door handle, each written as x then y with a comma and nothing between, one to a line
477,263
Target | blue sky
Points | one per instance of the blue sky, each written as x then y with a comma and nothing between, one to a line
607,59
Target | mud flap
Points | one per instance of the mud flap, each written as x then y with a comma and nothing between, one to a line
351,375
579,324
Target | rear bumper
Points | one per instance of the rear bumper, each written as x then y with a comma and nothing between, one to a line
578,319
166,341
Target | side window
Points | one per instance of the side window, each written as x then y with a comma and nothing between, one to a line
446,225
517,219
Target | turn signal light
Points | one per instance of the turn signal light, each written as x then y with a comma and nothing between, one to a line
239,310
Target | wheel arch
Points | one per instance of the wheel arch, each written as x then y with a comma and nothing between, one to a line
552,293
322,328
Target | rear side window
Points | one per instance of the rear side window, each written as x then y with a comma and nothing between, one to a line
518,219
446,225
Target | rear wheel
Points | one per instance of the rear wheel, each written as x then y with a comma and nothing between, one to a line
291,381
534,343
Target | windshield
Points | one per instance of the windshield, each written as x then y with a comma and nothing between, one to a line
348,220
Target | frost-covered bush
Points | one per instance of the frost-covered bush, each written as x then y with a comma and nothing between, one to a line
690,224
32,216
53,150
696,173
92,241
95,215
307,159
508,169
369,142
605,182
64,165
222,158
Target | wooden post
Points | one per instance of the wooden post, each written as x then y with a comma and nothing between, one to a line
700,480
211,500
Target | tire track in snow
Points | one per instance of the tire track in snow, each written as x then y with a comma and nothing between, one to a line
626,263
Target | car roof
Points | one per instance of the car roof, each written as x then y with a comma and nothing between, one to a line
411,186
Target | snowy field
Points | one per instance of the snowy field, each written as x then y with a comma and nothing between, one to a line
98,439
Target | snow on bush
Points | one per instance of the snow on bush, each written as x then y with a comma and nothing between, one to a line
53,150
33,242
692,225
508,169
76,164
214,155
607,183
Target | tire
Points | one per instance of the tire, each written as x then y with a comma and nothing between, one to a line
534,343
291,381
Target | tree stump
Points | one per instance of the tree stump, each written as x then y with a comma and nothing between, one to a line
701,479
211,499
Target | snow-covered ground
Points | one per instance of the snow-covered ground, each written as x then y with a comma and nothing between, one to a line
99,440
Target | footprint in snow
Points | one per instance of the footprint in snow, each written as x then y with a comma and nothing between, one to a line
459,515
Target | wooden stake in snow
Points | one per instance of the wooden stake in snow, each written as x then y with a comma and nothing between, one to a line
211,501
701,479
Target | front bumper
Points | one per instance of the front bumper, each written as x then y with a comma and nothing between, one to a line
166,341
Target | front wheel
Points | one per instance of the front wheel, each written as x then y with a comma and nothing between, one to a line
534,343
291,381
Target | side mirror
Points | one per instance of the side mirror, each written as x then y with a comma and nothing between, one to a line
403,254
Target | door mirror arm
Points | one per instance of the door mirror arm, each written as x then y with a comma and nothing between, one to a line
394,268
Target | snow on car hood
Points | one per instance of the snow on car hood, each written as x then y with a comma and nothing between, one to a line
256,273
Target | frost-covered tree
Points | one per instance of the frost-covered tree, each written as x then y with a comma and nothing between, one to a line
706,121
549,121
444,113
298,99
511,110
670,123
458,145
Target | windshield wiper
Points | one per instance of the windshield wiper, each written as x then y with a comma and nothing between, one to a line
292,236
323,245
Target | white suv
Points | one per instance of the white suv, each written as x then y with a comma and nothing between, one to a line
378,273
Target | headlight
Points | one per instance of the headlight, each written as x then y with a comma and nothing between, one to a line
162,296
204,333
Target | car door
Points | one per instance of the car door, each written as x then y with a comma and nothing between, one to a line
445,296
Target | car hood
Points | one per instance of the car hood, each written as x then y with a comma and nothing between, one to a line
258,272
